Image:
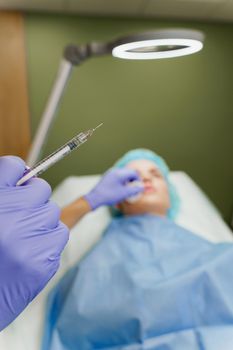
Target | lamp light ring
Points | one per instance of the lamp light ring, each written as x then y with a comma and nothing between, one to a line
159,44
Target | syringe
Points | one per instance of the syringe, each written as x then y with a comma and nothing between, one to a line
54,157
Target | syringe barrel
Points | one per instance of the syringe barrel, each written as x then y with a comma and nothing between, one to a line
53,158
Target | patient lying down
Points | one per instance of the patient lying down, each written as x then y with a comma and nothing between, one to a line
148,284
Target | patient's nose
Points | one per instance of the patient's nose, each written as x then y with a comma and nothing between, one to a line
146,177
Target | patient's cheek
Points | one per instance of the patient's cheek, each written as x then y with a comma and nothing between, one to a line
168,198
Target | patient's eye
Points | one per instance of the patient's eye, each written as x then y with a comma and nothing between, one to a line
155,173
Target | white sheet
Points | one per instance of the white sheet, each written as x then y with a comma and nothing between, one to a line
197,214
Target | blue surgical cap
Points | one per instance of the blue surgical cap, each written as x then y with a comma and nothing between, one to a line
142,153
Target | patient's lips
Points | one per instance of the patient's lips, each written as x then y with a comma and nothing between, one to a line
149,189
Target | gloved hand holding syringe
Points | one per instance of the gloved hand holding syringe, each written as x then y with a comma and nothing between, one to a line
54,157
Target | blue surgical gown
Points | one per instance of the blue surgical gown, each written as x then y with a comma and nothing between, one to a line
148,284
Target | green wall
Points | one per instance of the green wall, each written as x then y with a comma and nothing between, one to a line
182,108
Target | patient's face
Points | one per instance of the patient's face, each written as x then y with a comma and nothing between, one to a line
155,198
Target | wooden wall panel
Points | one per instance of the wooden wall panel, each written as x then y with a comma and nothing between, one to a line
14,110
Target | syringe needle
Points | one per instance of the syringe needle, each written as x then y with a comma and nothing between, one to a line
98,126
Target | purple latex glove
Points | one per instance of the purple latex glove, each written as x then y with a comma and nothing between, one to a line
31,238
113,189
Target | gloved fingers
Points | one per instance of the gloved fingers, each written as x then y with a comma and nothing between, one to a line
57,239
127,175
128,192
134,190
11,170
50,215
42,219
34,193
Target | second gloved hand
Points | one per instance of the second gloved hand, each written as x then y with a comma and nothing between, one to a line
113,188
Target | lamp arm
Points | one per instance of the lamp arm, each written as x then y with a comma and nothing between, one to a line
73,56
48,116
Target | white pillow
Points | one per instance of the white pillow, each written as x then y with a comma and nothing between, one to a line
197,213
